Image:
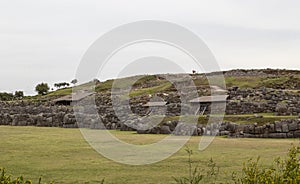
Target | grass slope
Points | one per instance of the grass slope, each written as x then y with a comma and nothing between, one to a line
153,85
64,156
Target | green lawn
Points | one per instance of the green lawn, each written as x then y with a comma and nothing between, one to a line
64,156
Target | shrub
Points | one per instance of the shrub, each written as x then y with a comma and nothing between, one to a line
282,171
6,96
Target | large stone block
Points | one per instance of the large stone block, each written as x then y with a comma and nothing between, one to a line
290,134
259,130
297,134
277,135
285,128
293,126
278,126
165,130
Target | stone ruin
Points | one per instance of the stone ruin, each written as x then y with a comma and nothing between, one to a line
240,101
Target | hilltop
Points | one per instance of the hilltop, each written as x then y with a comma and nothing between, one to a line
243,79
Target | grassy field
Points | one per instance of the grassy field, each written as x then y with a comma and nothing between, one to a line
63,156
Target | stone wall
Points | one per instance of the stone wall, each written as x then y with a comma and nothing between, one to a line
263,100
38,114
35,114
289,128
241,101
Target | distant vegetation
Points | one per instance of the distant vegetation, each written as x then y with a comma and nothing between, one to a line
61,85
74,81
19,94
4,96
42,88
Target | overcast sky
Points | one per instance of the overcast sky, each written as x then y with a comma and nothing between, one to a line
43,41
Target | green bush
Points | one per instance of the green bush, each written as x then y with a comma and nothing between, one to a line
6,96
282,171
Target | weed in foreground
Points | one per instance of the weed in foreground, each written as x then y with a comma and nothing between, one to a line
197,175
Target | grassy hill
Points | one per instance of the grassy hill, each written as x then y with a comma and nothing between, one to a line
151,84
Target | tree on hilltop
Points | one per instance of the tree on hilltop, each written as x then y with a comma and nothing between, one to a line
19,94
74,81
42,88
61,84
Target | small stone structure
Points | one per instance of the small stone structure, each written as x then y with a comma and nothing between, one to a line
205,102
157,107
76,97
